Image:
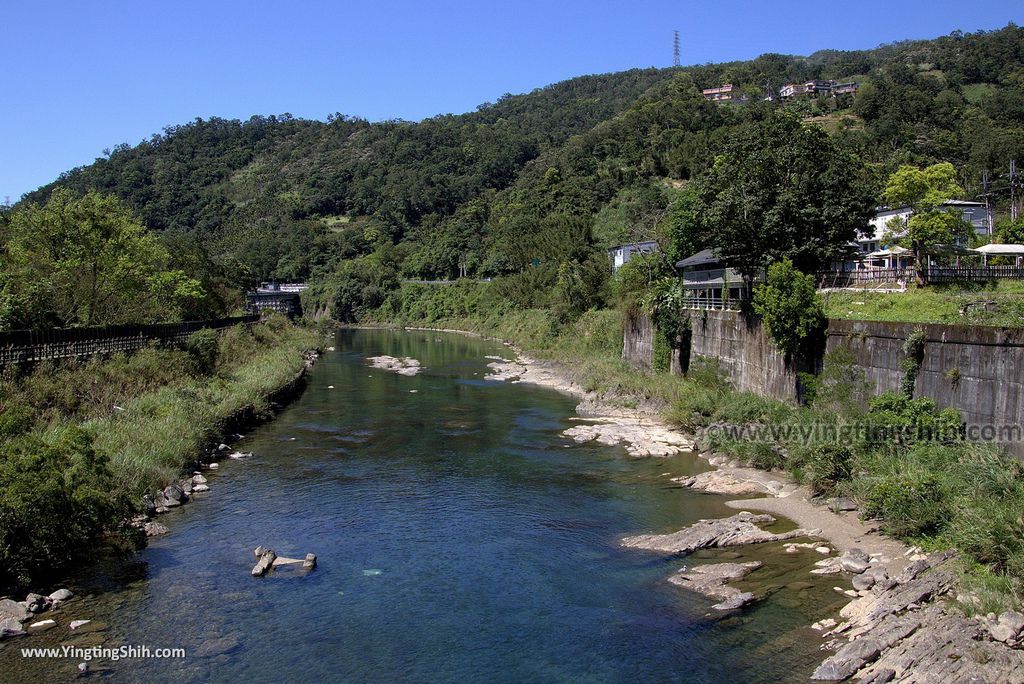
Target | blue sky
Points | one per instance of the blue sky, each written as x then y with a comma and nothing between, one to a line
80,77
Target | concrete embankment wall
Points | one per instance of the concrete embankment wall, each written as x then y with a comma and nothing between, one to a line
638,341
977,370
744,352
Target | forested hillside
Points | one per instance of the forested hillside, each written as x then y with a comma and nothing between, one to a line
538,184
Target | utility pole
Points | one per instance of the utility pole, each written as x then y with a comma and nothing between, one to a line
1013,189
988,203
675,48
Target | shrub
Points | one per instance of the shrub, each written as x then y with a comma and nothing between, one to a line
910,503
894,415
789,306
203,346
824,466
55,503
913,349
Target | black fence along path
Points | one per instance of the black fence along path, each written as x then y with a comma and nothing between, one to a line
30,346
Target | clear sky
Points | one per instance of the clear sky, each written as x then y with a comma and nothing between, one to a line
83,76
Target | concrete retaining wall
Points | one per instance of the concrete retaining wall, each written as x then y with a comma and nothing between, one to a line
744,351
638,341
977,370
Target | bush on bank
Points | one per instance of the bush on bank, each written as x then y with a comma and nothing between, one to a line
80,442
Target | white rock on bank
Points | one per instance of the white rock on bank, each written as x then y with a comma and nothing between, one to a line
641,438
721,482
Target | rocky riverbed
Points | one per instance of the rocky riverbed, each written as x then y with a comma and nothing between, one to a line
903,624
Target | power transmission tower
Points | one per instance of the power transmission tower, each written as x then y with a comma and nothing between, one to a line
675,48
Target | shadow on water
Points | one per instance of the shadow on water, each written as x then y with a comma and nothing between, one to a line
460,538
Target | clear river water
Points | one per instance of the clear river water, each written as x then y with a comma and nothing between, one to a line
460,537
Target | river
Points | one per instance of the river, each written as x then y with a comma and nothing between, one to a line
460,538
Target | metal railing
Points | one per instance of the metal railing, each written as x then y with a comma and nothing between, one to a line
974,274
30,346
867,276
932,274
712,303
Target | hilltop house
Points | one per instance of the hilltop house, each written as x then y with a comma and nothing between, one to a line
723,93
812,88
621,254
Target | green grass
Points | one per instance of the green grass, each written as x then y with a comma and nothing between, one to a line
1001,305
158,433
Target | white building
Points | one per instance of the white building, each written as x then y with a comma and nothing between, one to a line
621,254
972,212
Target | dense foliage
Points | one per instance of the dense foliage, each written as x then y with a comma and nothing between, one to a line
86,261
783,190
543,181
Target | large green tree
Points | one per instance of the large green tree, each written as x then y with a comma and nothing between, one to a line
924,191
85,260
783,189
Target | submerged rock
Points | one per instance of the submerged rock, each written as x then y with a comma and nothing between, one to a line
10,627
153,529
37,603
737,601
712,581
735,530
41,626
14,609
721,482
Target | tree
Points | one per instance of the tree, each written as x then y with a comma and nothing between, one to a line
86,261
681,228
924,191
1010,232
789,306
783,190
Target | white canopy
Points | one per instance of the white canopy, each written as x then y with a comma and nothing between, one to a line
892,251
992,249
